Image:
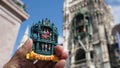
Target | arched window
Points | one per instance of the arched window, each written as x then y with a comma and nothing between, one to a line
80,56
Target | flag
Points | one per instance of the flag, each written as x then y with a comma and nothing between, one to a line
118,38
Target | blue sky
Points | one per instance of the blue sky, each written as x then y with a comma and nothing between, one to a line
52,9
41,9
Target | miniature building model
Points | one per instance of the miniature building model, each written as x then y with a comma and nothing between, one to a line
45,36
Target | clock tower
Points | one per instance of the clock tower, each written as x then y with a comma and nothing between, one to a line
87,33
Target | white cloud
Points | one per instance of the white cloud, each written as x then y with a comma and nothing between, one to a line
60,40
116,9
116,12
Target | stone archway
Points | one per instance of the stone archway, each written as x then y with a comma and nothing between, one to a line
80,56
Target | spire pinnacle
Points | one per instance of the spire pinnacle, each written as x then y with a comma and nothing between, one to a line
25,37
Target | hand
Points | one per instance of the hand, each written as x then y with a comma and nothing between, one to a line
19,60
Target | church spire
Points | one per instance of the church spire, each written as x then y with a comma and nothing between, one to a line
25,37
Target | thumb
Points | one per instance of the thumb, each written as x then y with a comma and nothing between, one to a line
20,54
27,46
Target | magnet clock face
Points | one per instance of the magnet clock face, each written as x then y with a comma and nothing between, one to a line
44,35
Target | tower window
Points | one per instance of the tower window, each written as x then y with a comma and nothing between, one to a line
80,55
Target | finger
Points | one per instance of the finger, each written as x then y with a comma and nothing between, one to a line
27,46
19,60
23,63
58,50
42,64
60,64
22,51
64,55
50,65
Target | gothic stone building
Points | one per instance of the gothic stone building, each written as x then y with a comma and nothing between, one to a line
87,32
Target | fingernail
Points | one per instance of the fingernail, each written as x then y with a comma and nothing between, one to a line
23,41
26,42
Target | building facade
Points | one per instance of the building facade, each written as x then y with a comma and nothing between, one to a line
12,13
87,32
